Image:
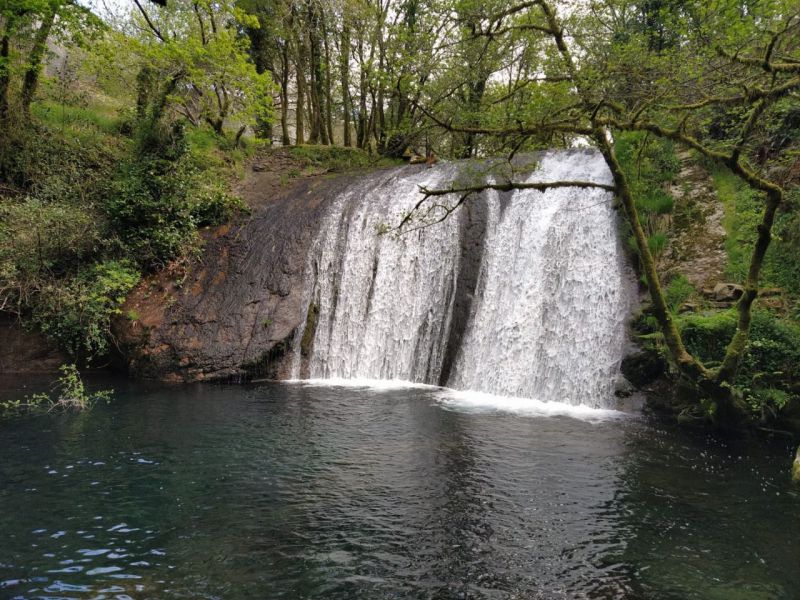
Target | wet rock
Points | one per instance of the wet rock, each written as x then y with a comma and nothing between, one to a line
642,368
727,292
623,388
23,351
251,273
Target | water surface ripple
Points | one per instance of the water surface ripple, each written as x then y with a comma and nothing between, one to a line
294,491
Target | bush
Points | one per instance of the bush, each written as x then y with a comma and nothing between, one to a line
211,203
71,395
38,237
148,209
77,313
657,243
333,158
655,201
678,291
770,369
155,206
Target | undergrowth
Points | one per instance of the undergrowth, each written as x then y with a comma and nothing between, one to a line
69,394
90,202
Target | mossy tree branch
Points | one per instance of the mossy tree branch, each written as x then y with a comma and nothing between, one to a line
597,115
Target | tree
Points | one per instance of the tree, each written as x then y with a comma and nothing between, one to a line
26,27
194,57
601,77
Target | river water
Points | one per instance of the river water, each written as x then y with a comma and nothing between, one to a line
290,490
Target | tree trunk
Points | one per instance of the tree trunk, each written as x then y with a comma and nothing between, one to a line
285,72
328,80
144,82
319,132
301,94
685,362
5,71
474,99
32,70
362,127
344,65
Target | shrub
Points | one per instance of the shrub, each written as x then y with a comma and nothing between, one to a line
657,243
655,201
678,291
38,237
707,335
71,395
77,313
333,158
148,209
770,369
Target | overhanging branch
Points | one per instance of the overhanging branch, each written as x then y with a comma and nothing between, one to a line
512,185
465,192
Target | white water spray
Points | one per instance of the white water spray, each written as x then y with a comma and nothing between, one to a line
541,291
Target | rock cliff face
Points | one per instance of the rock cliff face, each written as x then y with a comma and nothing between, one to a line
233,312
23,351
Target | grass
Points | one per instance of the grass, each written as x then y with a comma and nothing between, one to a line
743,212
338,158
101,117
742,215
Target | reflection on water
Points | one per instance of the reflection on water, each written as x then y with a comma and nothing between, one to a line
293,491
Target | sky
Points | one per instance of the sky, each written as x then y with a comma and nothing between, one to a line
106,8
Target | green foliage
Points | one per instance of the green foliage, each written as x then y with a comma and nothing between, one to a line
331,158
650,164
155,205
770,369
743,211
678,291
38,238
192,59
707,335
656,202
77,312
657,243
70,394
742,215
148,209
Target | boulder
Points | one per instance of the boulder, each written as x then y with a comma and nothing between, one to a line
623,388
727,292
642,368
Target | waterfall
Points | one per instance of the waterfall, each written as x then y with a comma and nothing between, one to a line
517,293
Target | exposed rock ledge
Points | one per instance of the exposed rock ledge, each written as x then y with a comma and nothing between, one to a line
234,311
24,351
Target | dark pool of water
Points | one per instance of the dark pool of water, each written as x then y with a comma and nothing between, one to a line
290,491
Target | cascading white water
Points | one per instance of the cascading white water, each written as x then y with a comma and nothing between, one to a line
532,305
549,320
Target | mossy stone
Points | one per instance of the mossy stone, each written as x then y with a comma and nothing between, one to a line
642,367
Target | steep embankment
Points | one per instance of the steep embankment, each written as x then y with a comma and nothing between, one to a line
697,235
24,351
233,310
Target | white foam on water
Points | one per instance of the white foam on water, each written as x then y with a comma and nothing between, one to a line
481,402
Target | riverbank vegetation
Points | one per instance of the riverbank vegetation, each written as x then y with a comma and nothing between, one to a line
68,394
121,137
